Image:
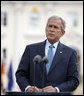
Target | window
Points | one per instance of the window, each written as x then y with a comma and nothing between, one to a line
3,18
72,19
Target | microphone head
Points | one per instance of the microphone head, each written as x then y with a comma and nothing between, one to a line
45,60
37,59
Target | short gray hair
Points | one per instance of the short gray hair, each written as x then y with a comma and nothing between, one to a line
57,17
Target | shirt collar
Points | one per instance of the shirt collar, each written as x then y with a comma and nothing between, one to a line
48,44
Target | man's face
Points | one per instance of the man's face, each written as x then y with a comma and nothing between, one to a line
54,30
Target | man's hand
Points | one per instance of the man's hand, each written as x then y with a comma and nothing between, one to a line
49,89
33,89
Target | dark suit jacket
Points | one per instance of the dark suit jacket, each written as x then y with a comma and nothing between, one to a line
63,71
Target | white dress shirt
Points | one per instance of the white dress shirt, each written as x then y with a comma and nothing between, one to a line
47,47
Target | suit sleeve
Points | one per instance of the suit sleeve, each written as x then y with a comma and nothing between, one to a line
72,75
22,72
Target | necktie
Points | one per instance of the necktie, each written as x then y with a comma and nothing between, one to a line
50,56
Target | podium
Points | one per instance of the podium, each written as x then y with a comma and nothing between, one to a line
37,93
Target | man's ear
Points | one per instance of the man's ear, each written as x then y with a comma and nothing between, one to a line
63,32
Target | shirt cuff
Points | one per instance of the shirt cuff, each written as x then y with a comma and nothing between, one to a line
27,88
57,89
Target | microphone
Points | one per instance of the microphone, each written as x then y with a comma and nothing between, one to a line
45,60
37,59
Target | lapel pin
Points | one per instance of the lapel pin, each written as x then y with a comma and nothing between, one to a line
60,51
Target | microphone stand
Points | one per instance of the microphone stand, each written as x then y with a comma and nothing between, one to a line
45,60
37,59
43,76
34,75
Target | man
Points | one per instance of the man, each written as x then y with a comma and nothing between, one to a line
61,74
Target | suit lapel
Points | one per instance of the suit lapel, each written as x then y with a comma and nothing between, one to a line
41,52
56,57
41,49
